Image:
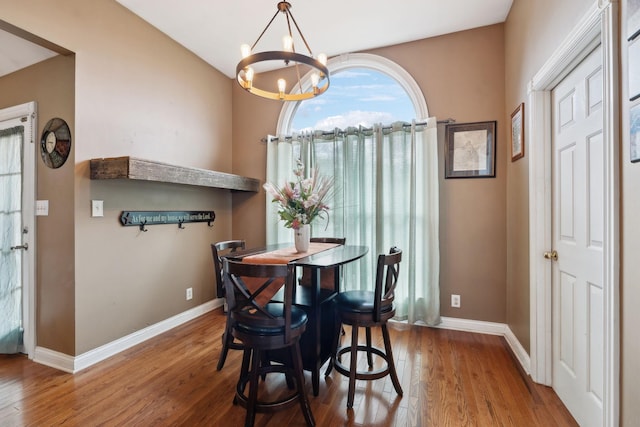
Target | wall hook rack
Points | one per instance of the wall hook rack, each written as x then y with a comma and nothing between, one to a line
144,218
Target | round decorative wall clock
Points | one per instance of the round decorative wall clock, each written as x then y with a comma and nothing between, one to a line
55,144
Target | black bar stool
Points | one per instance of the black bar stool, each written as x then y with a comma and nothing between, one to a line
369,309
263,326
218,249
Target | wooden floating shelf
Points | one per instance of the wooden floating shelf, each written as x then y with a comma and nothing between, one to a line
147,170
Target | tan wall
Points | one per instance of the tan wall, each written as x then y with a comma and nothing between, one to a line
137,93
51,84
461,76
532,33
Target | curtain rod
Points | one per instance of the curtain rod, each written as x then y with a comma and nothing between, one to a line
326,133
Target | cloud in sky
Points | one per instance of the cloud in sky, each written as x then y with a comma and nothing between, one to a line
353,73
351,118
379,98
355,97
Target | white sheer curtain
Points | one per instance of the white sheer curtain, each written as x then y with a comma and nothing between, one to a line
386,194
10,235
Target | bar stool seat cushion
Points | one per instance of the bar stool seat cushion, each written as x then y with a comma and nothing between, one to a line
298,320
359,302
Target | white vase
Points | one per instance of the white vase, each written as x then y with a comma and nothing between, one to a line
301,238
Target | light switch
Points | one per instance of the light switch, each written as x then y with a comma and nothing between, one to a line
97,208
42,207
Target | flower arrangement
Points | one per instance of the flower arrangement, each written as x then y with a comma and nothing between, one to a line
300,202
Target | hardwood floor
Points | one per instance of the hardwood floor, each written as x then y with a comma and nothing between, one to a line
449,378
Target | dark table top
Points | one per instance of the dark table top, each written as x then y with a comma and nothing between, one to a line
333,257
339,255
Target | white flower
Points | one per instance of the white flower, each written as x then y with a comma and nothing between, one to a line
302,201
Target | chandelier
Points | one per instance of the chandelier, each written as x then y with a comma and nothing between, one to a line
245,72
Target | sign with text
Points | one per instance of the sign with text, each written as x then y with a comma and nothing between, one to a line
141,218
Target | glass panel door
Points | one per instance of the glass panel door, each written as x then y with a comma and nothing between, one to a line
11,235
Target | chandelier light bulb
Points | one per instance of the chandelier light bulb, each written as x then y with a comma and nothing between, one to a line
287,43
315,78
245,49
282,85
322,58
249,75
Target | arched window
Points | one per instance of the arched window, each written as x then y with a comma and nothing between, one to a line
344,71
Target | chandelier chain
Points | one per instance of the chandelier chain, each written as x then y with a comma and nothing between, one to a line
265,30
299,30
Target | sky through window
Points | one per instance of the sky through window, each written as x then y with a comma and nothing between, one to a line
357,96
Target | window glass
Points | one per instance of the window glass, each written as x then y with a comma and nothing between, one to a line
357,96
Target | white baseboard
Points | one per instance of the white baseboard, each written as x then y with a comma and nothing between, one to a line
72,364
467,325
491,328
518,351
55,359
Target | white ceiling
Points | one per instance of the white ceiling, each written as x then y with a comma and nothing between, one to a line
17,53
215,29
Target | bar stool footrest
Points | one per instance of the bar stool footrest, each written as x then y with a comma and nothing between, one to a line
273,406
362,375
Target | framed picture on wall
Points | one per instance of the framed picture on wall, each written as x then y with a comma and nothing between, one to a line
634,128
633,19
470,150
517,133
634,69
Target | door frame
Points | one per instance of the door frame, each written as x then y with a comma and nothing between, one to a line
28,219
599,26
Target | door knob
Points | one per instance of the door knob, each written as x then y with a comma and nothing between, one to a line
553,255
25,247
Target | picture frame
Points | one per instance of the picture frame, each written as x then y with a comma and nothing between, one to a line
634,69
517,133
634,130
633,19
470,150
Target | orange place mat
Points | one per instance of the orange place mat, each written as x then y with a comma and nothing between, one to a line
279,256
283,256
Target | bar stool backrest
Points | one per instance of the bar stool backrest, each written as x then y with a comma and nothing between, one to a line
387,273
217,250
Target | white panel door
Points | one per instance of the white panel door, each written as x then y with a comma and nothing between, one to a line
578,233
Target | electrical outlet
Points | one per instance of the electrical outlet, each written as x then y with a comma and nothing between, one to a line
455,300
189,293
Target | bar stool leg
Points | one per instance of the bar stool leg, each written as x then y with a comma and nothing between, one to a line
253,389
338,330
244,374
296,355
390,362
227,339
353,367
369,357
